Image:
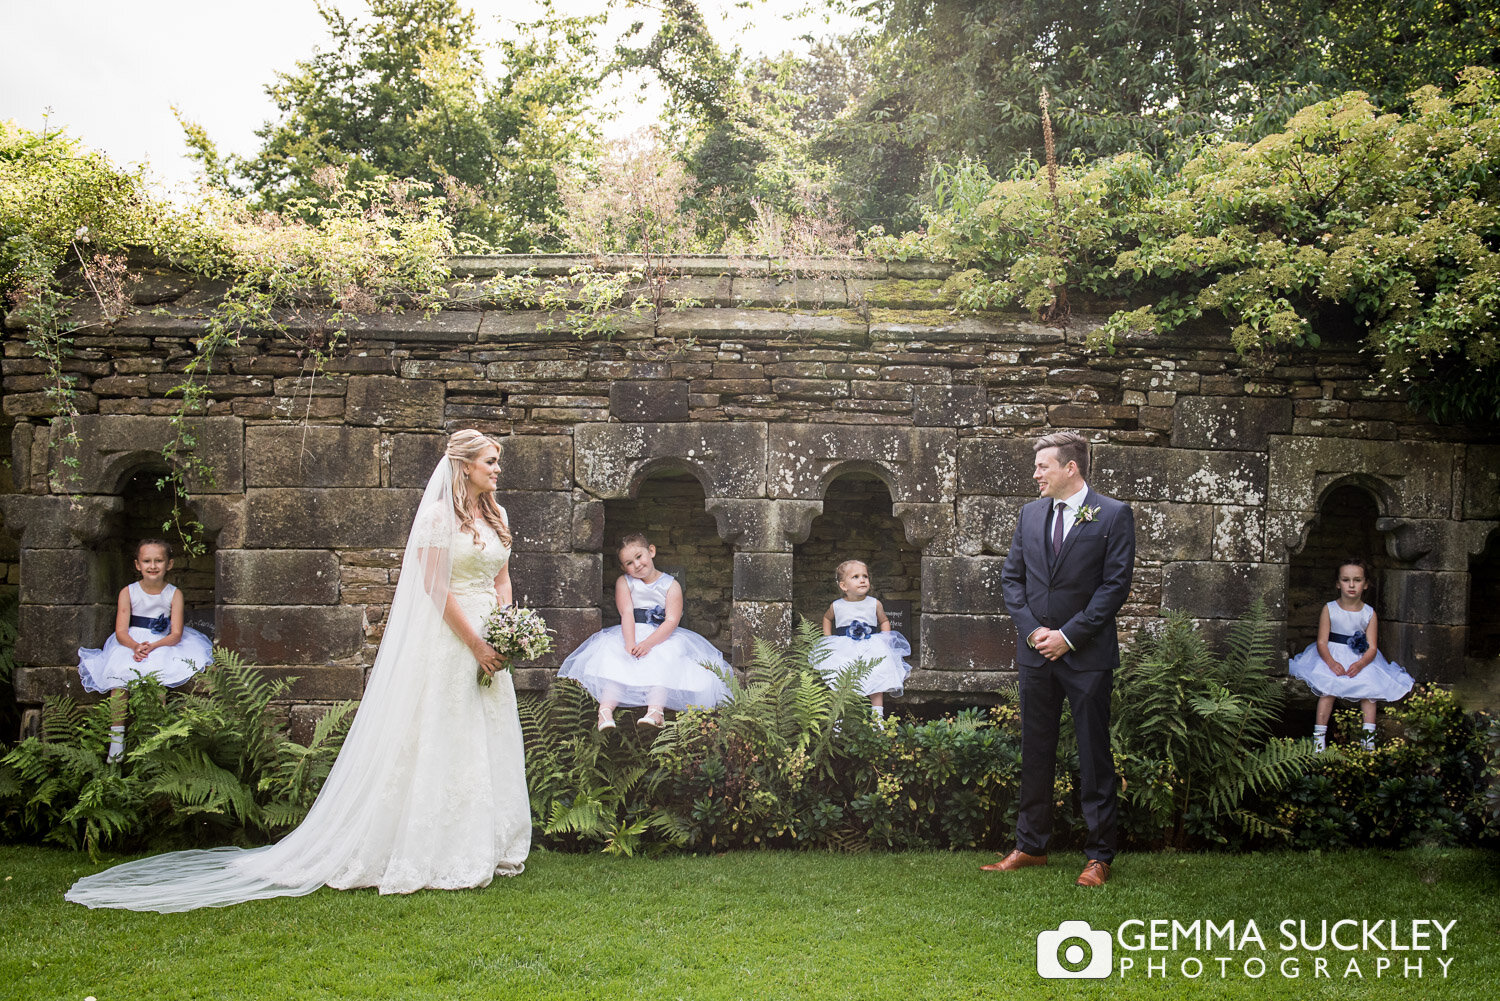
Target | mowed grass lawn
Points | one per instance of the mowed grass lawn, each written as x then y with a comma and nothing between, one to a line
760,925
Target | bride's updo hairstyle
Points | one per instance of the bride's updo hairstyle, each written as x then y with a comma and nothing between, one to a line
465,447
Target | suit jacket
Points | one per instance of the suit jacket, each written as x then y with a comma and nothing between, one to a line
1080,590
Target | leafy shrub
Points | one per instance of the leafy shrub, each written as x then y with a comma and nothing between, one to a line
1192,734
1422,786
207,765
788,761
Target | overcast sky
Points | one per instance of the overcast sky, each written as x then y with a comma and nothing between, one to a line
110,71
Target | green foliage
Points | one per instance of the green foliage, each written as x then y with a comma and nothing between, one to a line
960,79
787,761
584,784
1346,219
407,95
202,766
1492,778
1422,786
1192,732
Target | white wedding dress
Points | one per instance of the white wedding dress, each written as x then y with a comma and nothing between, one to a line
429,790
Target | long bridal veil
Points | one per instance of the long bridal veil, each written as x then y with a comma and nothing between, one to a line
356,797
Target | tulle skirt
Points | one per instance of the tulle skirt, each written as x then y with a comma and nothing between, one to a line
1379,679
115,665
672,674
887,652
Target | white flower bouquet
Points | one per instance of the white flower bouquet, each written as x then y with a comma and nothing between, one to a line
518,633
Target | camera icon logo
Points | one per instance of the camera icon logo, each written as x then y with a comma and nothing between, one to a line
1074,951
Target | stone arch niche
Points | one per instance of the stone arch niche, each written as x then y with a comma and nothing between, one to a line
858,523
1344,527
77,538
668,507
1484,602
1423,562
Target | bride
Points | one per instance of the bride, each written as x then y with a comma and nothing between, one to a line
429,790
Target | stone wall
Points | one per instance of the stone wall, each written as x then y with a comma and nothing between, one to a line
804,413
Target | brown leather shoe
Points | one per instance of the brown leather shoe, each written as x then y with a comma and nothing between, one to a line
1015,860
1096,873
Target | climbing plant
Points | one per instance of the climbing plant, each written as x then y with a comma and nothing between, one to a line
1347,219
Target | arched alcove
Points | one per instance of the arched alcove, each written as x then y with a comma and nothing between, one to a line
1344,527
147,509
1484,601
857,524
669,509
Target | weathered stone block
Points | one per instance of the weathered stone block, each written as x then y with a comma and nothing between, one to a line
412,458
112,447
1235,423
1239,534
1429,652
966,584
390,402
763,526
52,634
588,523
320,683
64,577
968,642
539,520
763,576
1179,475
754,324
656,401
311,456
557,580
317,518
987,524
1413,479
996,466
767,620
918,465
932,528
1168,532
42,522
1481,481
612,460
570,627
1223,590
276,577
292,634
35,685
787,291
945,684
949,406
1443,597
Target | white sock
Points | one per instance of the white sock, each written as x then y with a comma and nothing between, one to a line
1368,743
879,711
1320,736
116,743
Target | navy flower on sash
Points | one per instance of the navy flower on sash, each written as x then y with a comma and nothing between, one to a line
654,615
1358,643
858,630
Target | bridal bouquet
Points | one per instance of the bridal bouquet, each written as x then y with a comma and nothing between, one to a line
517,633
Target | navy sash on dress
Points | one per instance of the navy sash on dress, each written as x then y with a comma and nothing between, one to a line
1357,642
856,630
161,624
655,615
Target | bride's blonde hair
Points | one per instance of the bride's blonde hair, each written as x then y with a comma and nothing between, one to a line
466,447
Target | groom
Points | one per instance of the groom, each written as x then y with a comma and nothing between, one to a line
1066,576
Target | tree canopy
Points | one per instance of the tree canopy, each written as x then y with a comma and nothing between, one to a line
406,94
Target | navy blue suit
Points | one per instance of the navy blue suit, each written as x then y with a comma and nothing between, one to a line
1080,591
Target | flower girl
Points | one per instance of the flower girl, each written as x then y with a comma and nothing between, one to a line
648,659
1344,662
857,629
149,639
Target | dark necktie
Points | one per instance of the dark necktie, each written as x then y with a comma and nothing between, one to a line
1057,527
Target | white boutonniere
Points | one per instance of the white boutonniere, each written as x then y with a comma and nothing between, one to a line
1086,513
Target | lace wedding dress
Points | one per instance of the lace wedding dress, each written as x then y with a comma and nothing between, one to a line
429,789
